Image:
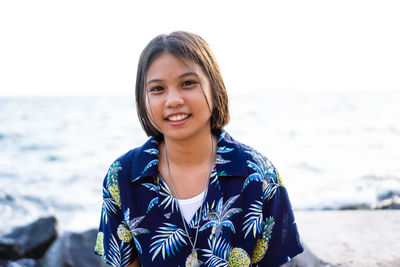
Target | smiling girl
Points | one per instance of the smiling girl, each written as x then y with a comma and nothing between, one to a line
191,195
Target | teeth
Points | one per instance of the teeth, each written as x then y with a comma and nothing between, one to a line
178,117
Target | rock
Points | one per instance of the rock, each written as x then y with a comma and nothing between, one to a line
3,263
388,195
24,263
360,206
10,249
389,203
73,250
306,259
21,263
29,241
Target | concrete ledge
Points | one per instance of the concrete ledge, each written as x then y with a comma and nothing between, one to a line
352,237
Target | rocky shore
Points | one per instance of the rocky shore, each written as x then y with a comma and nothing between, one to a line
331,238
39,245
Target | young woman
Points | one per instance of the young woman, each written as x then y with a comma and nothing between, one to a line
191,195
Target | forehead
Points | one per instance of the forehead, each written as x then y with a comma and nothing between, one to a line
167,65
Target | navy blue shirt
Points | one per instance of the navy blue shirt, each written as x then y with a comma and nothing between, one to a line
246,217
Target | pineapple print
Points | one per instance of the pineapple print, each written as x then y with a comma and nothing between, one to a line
112,182
238,257
124,233
262,242
114,191
279,178
99,244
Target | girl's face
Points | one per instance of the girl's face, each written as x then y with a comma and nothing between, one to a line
177,92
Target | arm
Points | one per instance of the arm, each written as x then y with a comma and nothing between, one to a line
136,263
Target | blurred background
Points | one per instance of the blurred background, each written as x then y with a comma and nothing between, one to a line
313,85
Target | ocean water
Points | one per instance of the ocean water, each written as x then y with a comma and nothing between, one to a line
332,149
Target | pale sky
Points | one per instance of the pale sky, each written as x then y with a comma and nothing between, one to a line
92,47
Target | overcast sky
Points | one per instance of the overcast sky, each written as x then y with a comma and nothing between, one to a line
92,47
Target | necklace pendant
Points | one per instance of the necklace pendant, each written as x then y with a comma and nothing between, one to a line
192,260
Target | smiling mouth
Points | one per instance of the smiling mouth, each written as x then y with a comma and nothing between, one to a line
178,117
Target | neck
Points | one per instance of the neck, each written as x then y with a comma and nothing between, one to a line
189,152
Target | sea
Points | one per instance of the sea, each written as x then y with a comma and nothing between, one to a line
333,149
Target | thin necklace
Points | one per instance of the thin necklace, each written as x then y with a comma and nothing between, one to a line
192,259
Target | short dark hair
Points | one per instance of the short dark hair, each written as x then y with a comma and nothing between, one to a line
191,46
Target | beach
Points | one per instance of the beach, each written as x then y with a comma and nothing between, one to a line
334,151
352,237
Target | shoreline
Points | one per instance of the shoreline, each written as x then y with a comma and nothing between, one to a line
339,238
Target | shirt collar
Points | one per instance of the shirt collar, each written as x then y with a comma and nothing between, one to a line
230,158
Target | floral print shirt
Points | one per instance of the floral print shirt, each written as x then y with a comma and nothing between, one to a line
246,218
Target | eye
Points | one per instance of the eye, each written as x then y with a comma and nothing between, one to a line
156,89
188,83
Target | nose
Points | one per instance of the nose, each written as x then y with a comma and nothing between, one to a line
174,98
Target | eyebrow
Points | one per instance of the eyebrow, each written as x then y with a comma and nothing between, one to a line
180,77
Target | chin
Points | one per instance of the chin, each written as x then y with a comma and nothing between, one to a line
184,134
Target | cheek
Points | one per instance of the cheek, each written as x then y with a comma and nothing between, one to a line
151,112
152,109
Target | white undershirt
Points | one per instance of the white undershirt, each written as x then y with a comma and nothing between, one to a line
189,206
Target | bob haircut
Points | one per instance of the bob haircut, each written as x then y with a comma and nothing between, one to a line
190,46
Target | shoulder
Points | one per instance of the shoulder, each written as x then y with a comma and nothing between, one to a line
262,165
136,161
255,161
127,168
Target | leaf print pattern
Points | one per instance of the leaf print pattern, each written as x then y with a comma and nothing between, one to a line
217,253
167,215
150,164
133,227
206,209
168,241
119,255
223,149
220,217
214,178
263,166
222,173
152,203
151,187
220,160
252,177
269,190
169,199
109,206
254,220
152,151
113,173
221,136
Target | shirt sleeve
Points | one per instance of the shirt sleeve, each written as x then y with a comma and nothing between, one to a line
115,242
279,235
